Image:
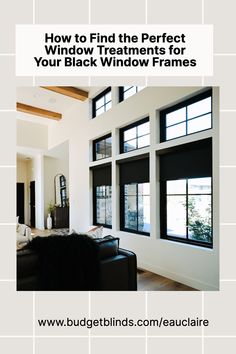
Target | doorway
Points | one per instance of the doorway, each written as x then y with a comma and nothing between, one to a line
32,204
20,202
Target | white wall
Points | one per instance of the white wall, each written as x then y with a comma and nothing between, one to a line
32,135
52,167
28,171
195,266
38,177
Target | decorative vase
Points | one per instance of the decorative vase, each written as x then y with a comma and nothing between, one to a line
49,222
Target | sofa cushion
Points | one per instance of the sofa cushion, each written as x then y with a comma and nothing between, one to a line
107,247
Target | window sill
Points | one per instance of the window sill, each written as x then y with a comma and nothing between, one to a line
197,245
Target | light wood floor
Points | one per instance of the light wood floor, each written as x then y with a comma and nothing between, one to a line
154,282
46,232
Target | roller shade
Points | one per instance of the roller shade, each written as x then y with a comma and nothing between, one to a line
192,160
136,171
102,176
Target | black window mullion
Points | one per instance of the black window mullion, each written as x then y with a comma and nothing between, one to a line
187,235
137,205
106,196
136,138
186,112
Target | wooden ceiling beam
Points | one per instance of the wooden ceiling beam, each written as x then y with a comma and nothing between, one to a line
69,91
36,111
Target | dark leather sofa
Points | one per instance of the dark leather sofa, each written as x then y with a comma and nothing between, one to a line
75,263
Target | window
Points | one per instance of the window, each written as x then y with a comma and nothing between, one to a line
188,117
102,196
135,196
102,147
137,207
102,102
128,91
135,136
63,190
186,194
103,205
189,209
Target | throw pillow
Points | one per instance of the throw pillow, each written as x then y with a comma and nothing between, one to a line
17,223
96,232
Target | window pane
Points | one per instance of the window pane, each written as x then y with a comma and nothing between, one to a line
108,206
176,187
176,216
100,204
140,88
198,124
144,213
199,185
130,212
99,191
129,92
108,106
100,111
143,141
126,88
199,218
144,129
144,188
108,97
130,134
100,102
130,189
176,131
108,147
176,117
100,149
130,145
200,107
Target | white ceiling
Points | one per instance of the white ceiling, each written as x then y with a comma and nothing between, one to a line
45,99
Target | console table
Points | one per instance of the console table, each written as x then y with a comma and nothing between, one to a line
61,217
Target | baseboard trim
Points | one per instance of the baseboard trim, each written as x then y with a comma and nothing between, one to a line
194,283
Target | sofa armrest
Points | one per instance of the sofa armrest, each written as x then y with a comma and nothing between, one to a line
27,270
132,260
119,272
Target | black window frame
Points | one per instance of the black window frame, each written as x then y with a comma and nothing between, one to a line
122,210
187,240
104,137
182,104
133,171
107,183
95,209
98,97
130,126
122,91
163,196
